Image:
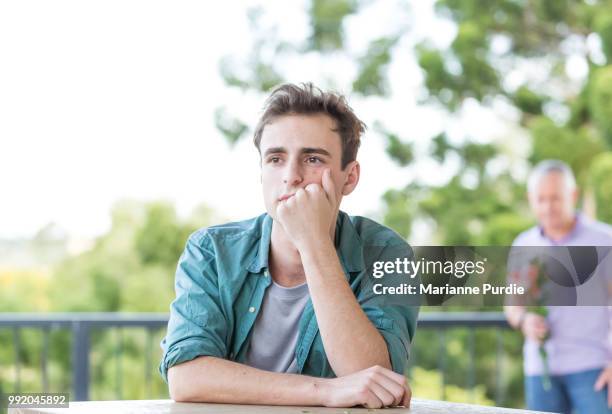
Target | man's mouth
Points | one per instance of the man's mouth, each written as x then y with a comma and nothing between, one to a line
286,197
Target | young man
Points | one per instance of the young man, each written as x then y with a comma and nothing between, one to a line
276,310
578,357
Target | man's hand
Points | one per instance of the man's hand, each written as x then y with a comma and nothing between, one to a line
534,327
374,387
605,379
309,216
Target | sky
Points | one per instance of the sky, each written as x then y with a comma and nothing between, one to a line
102,101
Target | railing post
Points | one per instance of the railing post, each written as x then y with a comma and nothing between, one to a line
80,361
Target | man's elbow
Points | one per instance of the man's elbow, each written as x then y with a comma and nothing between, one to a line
181,386
176,389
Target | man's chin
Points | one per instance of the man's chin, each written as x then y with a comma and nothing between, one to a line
554,225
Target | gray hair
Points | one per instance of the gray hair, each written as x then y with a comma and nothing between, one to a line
547,167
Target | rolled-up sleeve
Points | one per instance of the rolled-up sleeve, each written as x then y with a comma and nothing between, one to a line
397,326
395,316
197,324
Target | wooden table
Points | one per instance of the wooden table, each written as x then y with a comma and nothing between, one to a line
418,406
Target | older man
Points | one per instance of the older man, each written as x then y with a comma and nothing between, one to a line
575,338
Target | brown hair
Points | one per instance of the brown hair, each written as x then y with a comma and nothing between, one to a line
290,99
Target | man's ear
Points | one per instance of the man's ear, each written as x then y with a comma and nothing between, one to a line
575,195
353,170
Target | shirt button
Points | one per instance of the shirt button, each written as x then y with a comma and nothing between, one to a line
266,273
251,309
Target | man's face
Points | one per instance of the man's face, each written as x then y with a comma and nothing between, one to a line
295,150
552,201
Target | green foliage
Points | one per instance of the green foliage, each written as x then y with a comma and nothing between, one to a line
603,27
399,150
485,358
161,238
601,179
326,19
464,214
577,148
130,268
503,227
437,78
528,101
256,70
24,286
232,128
371,79
441,147
600,101
398,205
477,78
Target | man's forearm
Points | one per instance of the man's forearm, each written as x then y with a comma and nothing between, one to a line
216,380
352,343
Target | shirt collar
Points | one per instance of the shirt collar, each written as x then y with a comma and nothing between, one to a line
349,244
570,235
347,241
260,260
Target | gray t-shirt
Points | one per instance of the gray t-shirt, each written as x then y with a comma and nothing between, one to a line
276,329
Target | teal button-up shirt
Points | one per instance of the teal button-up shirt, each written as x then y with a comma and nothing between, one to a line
222,276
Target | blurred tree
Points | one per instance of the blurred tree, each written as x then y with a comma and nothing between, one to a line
566,114
130,268
601,175
520,56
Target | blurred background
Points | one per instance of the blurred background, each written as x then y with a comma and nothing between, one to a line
126,125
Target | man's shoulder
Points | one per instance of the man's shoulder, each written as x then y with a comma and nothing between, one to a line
599,230
229,232
529,237
373,233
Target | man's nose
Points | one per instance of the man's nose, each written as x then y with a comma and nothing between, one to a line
293,174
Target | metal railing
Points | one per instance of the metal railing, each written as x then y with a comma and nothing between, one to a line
443,321
82,324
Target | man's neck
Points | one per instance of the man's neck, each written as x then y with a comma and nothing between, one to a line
559,233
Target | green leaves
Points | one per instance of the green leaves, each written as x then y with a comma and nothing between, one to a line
371,79
576,147
326,19
231,127
400,151
132,266
472,74
398,208
600,101
160,239
603,27
528,101
601,181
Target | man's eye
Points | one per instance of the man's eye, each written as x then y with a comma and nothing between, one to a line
274,160
313,160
